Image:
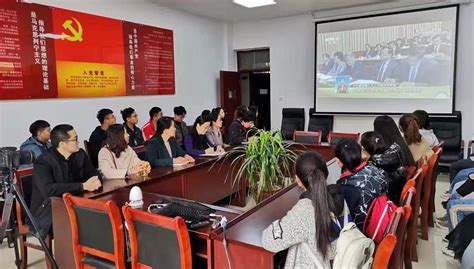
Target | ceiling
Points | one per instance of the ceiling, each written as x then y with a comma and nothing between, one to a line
226,10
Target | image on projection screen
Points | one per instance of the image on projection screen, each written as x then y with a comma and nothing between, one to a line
387,64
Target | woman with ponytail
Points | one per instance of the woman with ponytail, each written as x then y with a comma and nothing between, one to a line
411,132
369,181
309,222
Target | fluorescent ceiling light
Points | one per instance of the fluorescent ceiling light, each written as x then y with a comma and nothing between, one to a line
254,3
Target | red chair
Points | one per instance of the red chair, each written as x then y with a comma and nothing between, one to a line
434,179
397,259
333,137
413,229
386,249
24,181
307,137
409,200
428,187
97,233
149,233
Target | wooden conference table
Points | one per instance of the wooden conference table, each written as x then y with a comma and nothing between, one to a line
199,183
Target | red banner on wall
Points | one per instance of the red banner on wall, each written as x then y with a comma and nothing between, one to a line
50,52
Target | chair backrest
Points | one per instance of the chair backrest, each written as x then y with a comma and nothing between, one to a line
87,148
292,120
400,231
438,146
97,231
24,181
334,137
157,241
307,137
448,129
411,183
431,174
323,123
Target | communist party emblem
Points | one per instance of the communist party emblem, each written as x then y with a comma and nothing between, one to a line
75,34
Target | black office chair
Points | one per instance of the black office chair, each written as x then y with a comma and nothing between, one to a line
292,120
323,123
449,130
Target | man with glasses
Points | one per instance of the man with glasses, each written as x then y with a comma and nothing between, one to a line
38,143
97,139
63,169
130,120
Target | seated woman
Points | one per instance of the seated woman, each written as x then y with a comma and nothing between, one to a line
238,128
386,126
162,149
388,158
423,120
416,143
117,159
309,221
214,134
369,181
196,142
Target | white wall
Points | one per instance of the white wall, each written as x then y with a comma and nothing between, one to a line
291,43
201,50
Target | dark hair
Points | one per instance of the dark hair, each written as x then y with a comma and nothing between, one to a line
163,124
127,113
335,199
154,111
339,55
104,112
180,111
38,126
423,119
410,129
239,112
387,127
115,139
254,109
59,134
248,116
206,112
214,116
217,110
348,151
373,143
311,169
199,141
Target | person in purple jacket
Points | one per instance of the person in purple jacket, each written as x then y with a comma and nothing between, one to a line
196,142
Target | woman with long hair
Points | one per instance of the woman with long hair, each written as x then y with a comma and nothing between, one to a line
387,127
309,221
117,159
416,143
388,158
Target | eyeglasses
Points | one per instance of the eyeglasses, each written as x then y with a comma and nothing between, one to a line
75,139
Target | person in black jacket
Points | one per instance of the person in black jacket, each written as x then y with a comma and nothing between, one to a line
97,139
162,149
63,169
238,128
388,158
130,120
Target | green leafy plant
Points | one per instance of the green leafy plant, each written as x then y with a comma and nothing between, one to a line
266,163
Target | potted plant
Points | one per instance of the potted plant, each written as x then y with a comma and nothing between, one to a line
265,163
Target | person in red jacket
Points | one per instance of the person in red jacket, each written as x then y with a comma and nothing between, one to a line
149,128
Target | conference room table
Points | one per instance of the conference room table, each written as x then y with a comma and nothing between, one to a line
198,182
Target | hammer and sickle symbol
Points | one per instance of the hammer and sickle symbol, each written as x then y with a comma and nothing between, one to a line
76,33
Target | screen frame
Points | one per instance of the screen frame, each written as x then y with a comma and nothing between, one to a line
316,23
